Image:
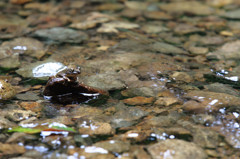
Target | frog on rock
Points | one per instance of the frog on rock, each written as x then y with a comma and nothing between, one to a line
66,75
64,87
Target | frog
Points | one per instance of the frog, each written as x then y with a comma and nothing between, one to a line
66,75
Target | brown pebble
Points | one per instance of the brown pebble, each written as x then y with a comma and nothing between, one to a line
139,100
33,106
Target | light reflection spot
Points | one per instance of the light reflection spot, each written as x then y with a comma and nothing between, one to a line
133,135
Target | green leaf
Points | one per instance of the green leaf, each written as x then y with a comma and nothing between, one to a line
63,128
26,130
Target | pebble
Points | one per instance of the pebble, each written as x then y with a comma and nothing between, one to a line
6,90
139,100
176,149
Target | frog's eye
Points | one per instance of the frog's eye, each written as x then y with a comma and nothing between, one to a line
72,69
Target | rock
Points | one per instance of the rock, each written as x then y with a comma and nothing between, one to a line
135,136
91,152
166,101
167,48
33,106
11,61
67,35
97,129
5,123
111,27
127,117
129,46
229,50
181,77
6,90
157,15
142,91
19,1
8,58
91,20
232,14
203,119
106,81
41,70
139,152
208,101
182,29
151,29
114,146
90,112
131,13
175,149
28,96
153,69
19,115
139,100
203,137
89,24
110,111
18,137
9,149
119,61
198,50
136,5
110,6
27,46
221,88
206,40
193,7
160,121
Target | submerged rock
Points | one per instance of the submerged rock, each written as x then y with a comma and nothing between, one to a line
6,90
176,149
60,35
106,81
114,145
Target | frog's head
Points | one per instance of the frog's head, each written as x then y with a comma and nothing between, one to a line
73,71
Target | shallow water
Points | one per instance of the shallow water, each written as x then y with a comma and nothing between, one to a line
158,79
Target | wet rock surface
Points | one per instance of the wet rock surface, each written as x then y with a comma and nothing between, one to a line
6,90
176,149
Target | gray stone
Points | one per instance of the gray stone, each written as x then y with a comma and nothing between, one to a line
182,29
142,91
167,48
230,50
233,14
106,81
115,146
60,35
201,136
8,58
41,70
5,123
193,7
6,90
127,117
181,77
176,149
221,88
31,96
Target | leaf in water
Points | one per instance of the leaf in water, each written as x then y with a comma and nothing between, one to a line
27,130
39,129
59,128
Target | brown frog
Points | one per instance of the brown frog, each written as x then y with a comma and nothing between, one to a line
65,76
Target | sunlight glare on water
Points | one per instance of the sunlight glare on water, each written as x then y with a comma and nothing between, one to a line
94,149
48,69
